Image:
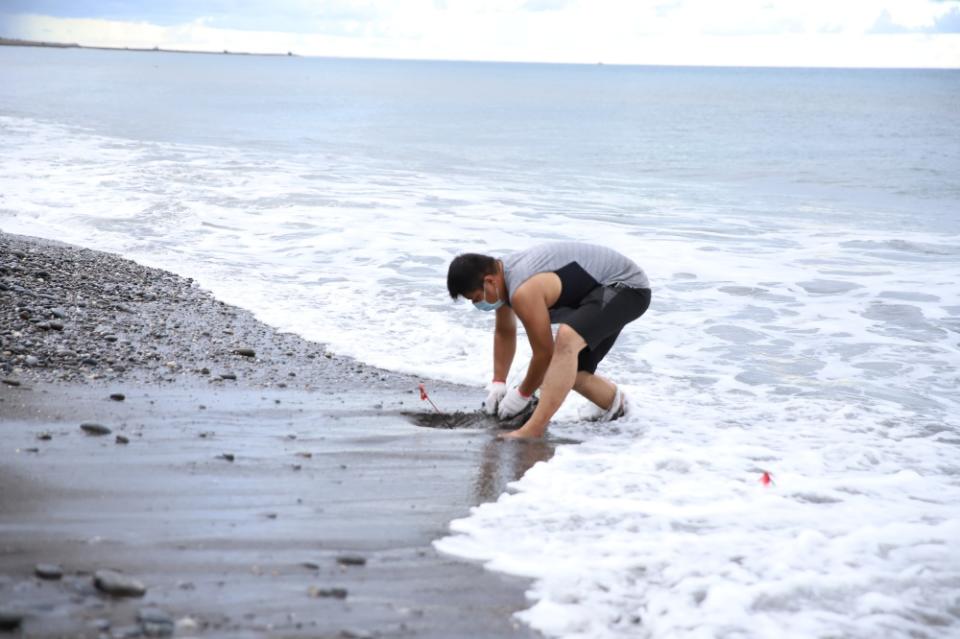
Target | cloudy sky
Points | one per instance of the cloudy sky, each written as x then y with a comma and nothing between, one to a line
854,33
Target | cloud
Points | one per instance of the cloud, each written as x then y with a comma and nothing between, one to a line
166,13
302,16
885,24
546,5
738,32
298,16
732,17
666,8
948,22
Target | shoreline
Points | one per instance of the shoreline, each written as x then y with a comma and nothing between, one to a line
263,504
15,42
78,315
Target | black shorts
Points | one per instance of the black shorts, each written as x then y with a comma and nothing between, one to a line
602,314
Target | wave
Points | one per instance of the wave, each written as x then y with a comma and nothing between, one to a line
772,346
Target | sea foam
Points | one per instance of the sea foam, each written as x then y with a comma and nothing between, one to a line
824,353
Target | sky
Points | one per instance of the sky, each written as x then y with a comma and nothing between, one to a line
831,33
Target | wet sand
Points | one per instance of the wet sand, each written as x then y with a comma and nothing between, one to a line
263,506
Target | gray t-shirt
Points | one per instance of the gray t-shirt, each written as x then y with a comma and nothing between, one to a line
581,268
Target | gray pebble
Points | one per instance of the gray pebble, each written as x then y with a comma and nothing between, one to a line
228,376
333,593
228,456
246,352
31,360
48,571
10,619
118,397
113,583
351,560
122,440
11,382
95,429
155,622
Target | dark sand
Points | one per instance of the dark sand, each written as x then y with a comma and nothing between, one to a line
331,465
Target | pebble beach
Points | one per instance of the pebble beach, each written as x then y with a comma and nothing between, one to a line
174,467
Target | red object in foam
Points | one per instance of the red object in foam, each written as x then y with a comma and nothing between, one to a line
425,397
766,479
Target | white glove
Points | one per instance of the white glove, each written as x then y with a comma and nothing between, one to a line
496,391
513,404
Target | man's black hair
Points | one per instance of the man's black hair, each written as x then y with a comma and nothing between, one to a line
467,271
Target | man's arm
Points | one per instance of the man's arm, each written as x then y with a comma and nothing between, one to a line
531,307
504,343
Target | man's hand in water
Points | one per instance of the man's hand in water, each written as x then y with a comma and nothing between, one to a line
496,392
513,404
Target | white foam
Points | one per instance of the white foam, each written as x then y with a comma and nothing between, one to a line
675,530
826,354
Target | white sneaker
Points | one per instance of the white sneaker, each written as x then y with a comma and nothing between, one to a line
590,412
593,413
618,408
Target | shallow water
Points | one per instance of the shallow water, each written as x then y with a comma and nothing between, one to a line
477,419
799,228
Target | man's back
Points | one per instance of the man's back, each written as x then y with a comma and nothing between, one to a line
580,266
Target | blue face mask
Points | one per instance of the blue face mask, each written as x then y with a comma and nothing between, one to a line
484,305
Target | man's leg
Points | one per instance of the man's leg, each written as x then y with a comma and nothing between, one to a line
559,379
622,307
599,390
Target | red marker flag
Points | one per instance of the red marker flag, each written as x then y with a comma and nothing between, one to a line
424,396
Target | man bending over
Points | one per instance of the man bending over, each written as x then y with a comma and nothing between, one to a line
591,291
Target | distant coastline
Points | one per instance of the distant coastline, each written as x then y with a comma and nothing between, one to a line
14,42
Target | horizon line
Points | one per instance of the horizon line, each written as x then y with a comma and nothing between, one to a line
7,41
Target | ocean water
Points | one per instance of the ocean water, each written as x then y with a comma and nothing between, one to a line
801,229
